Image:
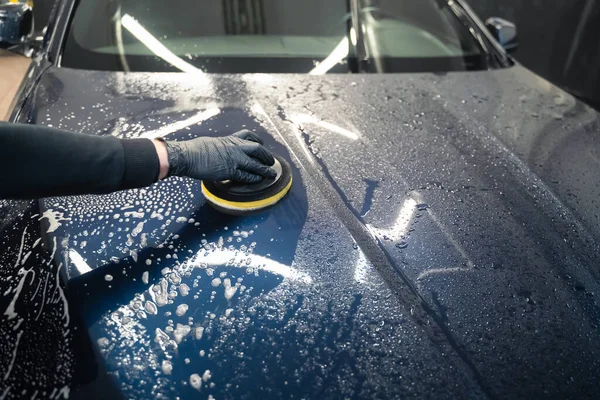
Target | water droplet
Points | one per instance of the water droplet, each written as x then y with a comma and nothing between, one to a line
422,207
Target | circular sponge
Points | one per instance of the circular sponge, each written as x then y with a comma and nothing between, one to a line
235,198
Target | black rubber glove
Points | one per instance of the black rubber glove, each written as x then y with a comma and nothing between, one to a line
239,157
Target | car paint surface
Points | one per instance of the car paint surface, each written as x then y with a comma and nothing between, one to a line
440,240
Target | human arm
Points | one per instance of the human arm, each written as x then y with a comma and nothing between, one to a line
40,161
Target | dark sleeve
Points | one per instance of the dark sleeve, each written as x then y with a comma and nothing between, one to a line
37,161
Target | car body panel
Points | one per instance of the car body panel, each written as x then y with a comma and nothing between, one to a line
440,240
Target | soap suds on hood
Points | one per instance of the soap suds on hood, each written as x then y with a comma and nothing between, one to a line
54,219
167,367
196,381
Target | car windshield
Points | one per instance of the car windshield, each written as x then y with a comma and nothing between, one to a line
272,36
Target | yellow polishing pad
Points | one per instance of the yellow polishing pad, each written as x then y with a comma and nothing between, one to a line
239,199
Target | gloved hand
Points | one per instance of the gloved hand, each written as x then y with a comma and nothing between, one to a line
239,157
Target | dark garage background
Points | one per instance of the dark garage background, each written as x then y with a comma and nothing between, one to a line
559,39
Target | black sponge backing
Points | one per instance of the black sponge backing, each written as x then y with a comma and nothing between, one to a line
242,199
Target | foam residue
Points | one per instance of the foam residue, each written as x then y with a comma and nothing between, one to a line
54,219
196,381
167,367
184,289
151,308
27,256
64,392
62,296
18,324
108,278
230,290
180,332
144,240
193,265
134,214
14,356
199,331
10,310
161,295
181,310
138,229
161,337
156,215
175,278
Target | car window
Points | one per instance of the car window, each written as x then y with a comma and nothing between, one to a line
308,36
415,29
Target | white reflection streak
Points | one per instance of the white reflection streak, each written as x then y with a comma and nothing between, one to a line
76,259
300,119
224,256
119,40
177,126
260,112
261,79
457,246
155,46
362,269
353,37
400,227
436,271
338,54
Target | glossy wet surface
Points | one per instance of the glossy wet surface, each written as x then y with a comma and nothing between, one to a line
440,240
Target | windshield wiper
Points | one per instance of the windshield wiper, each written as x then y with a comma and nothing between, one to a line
360,47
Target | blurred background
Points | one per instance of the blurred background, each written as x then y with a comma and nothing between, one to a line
558,39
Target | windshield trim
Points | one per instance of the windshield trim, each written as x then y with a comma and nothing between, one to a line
490,46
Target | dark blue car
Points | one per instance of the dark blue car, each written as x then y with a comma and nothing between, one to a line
440,240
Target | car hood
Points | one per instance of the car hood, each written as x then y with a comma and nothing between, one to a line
440,240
